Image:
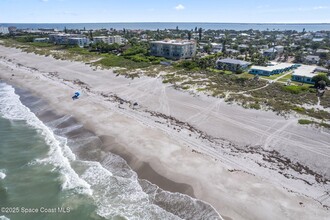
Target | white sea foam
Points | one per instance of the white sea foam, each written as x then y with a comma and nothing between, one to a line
114,186
2,217
59,154
122,195
2,174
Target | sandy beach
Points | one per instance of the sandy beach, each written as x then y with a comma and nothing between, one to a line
248,164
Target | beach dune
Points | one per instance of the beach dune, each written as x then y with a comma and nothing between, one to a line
247,164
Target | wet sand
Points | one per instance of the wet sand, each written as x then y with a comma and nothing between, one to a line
101,144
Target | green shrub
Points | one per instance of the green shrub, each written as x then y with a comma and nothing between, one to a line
305,121
135,50
299,109
118,61
187,64
295,89
325,125
255,106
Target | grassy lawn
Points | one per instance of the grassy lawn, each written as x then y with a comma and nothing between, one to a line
285,78
245,75
272,77
275,76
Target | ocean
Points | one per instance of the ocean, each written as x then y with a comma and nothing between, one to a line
180,25
52,168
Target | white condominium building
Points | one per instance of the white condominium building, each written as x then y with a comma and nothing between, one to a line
109,39
4,30
173,49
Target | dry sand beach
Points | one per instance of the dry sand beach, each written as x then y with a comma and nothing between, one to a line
248,164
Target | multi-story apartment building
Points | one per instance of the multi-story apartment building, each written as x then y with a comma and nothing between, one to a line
173,49
116,39
72,39
80,41
98,39
109,39
4,30
61,38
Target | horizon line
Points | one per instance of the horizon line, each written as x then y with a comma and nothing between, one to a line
155,22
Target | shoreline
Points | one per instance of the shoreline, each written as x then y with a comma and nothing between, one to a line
175,157
145,172
107,144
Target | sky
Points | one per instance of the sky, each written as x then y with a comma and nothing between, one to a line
236,11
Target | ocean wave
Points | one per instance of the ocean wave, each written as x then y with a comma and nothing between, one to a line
117,193
2,174
2,217
111,183
59,154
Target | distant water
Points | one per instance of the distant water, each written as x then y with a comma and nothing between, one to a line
183,26
38,170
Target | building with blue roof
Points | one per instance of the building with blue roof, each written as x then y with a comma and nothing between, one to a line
273,69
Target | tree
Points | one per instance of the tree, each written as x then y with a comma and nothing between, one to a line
207,48
319,78
298,58
315,45
322,84
200,30
91,34
325,56
224,42
189,35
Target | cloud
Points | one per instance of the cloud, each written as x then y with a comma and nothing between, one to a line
320,7
44,0
179,7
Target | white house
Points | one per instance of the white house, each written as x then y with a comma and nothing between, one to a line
279,49
216,47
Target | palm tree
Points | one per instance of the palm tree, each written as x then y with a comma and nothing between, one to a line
200,30
189,35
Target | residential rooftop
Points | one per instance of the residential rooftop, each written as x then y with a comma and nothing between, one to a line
234,61
305,71
175,42
274,66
